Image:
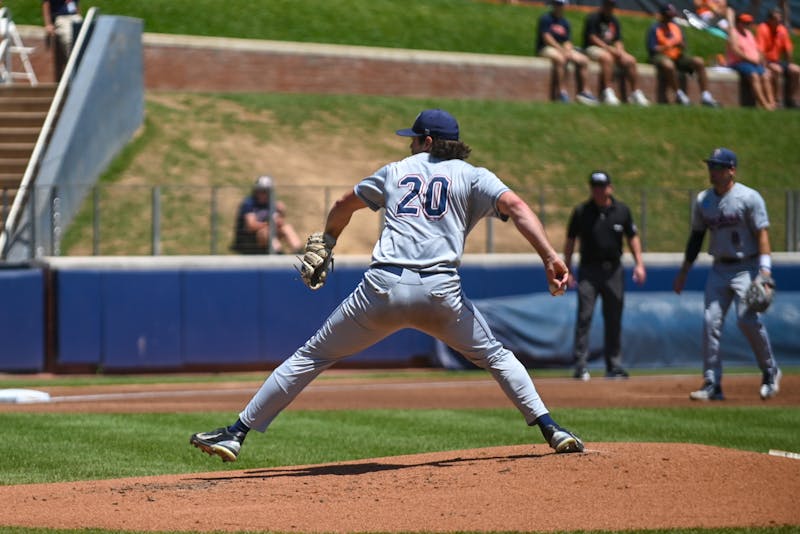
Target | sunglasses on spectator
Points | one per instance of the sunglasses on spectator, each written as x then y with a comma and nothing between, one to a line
717,166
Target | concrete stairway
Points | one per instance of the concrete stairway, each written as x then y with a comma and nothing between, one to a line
23,109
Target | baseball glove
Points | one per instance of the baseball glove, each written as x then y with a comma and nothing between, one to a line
760,293
317,259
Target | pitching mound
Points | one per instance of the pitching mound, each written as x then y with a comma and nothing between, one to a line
519,488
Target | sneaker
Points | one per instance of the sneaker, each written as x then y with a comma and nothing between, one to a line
683,98
563,441
771,384
710,103
222,442
609,97
581,373
709,391
563,97
637,97
586,98
617,372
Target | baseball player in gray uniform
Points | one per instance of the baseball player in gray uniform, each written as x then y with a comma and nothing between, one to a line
432,200
736,217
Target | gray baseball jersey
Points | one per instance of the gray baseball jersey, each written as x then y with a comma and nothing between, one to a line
734,220
430,205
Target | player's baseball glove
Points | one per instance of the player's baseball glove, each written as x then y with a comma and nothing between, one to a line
317,259
760,293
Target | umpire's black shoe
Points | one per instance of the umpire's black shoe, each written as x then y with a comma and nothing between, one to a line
222,442
617,372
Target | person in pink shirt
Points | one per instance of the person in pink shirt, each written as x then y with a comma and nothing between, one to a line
775,44
744,57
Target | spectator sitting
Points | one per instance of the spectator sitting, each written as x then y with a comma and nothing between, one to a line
775,43
743,56
602,40
252,234
713,12
553,42
667,46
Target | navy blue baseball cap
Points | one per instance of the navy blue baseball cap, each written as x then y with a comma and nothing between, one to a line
722,156
436,123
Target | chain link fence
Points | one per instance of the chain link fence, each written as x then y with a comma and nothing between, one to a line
126,220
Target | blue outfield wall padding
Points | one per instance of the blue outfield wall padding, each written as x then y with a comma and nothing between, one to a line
22,320
659,329
252,314
222,317
79,311
142,319
293,313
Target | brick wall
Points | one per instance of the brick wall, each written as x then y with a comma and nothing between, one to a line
179,63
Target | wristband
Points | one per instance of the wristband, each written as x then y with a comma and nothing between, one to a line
765,262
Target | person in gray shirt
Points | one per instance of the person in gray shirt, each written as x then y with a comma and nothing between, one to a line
736,217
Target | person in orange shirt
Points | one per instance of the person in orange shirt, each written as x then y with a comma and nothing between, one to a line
667,47
775,44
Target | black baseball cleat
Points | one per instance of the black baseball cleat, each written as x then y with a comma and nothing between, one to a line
222,442
562,440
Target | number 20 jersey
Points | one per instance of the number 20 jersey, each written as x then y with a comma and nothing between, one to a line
431,205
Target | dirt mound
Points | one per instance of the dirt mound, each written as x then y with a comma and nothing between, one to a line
520,488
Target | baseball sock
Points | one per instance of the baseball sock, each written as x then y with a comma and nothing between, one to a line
238,426
546,425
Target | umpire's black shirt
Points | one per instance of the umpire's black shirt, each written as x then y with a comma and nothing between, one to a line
600,230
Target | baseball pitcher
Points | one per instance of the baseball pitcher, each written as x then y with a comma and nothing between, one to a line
432,200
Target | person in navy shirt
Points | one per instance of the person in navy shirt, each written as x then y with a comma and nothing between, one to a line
553,42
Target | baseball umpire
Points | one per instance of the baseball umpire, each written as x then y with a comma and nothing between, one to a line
736,217
600,224
432,199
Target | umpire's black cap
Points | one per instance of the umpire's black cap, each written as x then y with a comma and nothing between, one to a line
599,178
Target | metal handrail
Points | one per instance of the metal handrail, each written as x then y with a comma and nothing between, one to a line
41,143
5,48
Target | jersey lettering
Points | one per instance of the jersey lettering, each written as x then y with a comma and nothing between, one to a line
434,196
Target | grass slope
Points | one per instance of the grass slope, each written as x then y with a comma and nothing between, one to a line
542,149
452,25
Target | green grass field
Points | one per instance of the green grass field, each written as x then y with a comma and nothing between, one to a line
311,437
